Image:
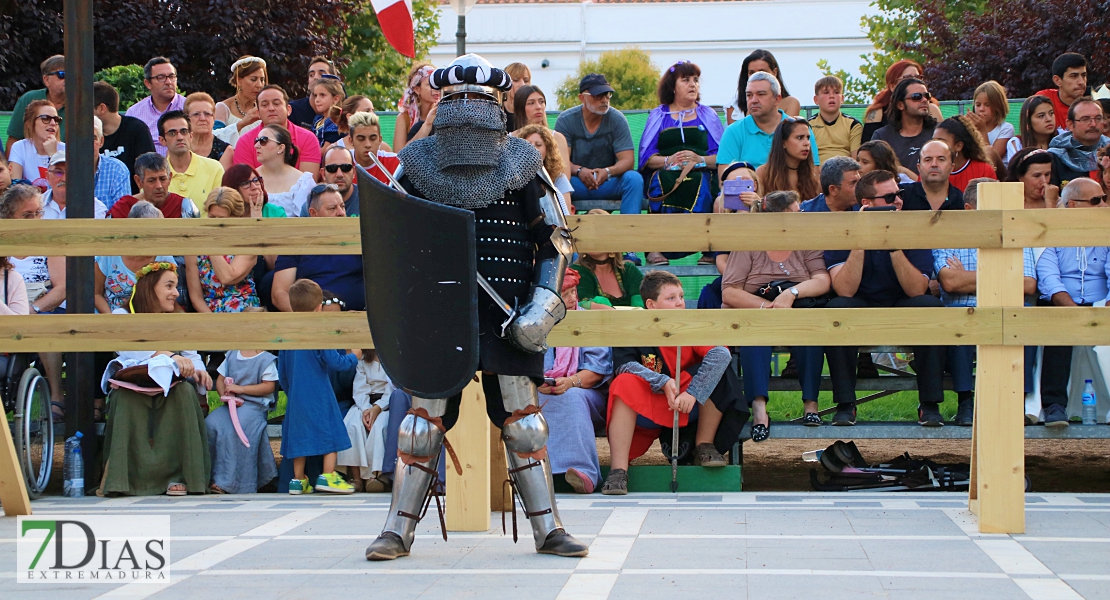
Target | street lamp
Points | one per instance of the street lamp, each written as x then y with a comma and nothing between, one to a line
461,7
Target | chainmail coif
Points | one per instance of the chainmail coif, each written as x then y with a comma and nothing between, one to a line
470,161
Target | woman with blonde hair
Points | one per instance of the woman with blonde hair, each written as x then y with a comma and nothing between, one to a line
222,283
989,116
248,75
541,137
417,106
521,76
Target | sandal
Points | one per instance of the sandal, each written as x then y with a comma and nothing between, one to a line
656,259
172,492
811,420
616,484
58,416
707,456
760,433
215,489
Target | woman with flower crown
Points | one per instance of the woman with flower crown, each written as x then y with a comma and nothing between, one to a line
155,441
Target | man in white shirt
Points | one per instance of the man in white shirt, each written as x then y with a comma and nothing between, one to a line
54,200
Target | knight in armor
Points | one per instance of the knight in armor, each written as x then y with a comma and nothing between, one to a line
523,247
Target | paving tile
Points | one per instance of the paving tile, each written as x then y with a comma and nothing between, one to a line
1072,523
693,522
1084,558
934,556
785,587
639,587
1091,590
494,587
687,554
798,522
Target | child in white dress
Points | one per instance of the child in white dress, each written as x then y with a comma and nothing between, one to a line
364,459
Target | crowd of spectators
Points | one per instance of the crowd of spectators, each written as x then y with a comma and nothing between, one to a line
257,154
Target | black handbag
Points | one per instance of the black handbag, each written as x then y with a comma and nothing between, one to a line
772,290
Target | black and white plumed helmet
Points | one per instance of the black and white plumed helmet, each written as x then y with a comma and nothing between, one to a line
473,74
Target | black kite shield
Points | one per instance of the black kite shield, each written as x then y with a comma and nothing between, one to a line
420,272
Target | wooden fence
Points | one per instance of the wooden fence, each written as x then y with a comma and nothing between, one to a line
1000,325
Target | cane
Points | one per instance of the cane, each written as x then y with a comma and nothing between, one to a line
674,430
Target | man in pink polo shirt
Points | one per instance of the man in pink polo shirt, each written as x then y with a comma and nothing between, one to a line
273,109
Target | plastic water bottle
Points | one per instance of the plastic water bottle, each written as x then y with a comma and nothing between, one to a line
74,486
1089,402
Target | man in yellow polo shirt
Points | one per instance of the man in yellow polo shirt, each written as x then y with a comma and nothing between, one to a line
192,176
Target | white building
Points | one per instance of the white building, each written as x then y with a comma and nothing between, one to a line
552,37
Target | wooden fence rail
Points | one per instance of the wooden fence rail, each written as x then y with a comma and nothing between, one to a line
593,233
1000,325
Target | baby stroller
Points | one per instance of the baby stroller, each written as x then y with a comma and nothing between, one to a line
26,394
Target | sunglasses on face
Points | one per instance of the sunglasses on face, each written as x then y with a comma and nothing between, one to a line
346,168
48,119
919,96
1095,201
251,182
321,188
889,198
262,141
58,74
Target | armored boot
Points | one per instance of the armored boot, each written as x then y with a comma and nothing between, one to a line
525,437
418,442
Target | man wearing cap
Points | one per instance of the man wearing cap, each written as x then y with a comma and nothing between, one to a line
54,200
601,160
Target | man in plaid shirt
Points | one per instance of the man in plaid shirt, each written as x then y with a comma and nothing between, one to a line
955,269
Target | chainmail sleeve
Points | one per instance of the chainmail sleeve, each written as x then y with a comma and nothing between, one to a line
655,380
709,374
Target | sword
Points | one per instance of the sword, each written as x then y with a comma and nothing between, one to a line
482,283
674,430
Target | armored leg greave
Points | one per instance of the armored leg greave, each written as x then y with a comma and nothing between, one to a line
418,442
525,437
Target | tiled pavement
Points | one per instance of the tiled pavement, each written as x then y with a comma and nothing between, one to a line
643,546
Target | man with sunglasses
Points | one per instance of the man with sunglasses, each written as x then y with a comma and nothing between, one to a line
340,274
909,124
191,175
339,170
1075,152
1070,277
160,77
54,90
883,278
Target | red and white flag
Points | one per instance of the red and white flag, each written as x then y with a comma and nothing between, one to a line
395,17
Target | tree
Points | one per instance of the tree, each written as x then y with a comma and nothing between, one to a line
896,31
629,71
128,81
1014,44
201,37
376,70
29,32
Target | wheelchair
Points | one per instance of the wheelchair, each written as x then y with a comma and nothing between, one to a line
26,393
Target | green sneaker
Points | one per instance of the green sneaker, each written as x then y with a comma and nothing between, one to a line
300,486
332,482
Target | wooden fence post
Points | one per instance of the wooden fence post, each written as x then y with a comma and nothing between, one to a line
13,490
468,496
997,491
